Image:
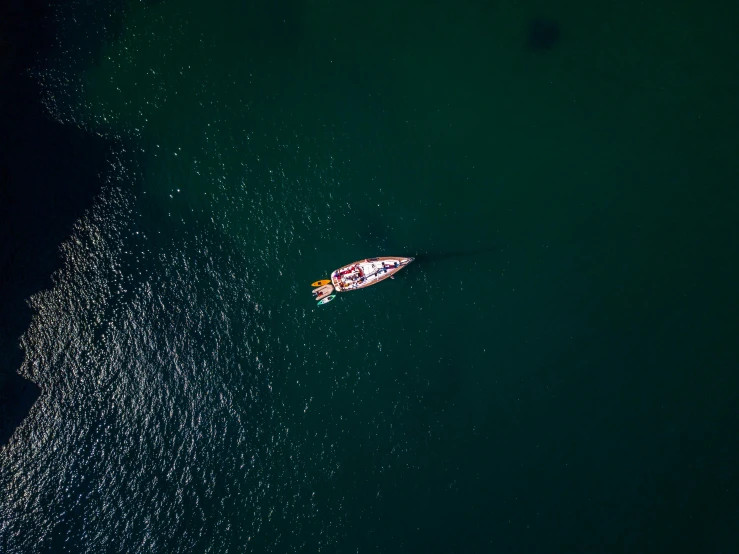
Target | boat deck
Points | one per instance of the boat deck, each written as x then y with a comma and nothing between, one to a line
359,275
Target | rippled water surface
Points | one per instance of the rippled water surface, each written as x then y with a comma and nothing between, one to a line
493,397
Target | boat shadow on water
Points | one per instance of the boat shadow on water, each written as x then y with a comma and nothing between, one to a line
430,257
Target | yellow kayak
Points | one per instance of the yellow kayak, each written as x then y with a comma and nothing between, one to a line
320,283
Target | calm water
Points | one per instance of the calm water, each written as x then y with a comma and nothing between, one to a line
557,372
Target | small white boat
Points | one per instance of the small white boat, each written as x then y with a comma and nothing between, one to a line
320,292
364,273
326,300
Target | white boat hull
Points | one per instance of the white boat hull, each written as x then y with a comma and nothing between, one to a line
362,274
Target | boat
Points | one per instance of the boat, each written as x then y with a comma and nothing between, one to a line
320,292
364,273
326,300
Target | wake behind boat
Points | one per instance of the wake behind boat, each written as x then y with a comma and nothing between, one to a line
364,273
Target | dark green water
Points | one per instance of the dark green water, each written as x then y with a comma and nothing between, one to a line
557,371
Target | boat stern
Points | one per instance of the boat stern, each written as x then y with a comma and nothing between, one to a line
335,281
